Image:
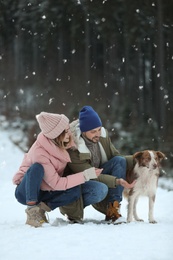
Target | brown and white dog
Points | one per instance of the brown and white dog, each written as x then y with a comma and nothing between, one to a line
146,172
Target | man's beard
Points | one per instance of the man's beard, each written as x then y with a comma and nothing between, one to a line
95,139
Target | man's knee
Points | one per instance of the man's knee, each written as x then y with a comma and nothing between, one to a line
119,159
103,191
75,193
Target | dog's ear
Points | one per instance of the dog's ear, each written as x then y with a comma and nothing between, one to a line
160,155
137,155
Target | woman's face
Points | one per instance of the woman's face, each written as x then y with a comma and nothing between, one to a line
64,137
67,134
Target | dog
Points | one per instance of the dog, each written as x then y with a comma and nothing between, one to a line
146,172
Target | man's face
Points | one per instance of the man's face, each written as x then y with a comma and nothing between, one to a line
93,135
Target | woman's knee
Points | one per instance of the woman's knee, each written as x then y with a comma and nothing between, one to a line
37,168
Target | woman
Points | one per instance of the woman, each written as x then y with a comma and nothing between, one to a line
40,182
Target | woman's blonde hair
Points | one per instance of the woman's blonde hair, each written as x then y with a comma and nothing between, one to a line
60,138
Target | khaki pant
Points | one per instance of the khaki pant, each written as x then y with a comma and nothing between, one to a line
75,210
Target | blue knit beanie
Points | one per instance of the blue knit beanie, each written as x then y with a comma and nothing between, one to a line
88,119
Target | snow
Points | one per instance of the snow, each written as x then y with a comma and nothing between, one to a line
92,240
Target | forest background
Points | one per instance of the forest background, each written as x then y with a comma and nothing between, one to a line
115,55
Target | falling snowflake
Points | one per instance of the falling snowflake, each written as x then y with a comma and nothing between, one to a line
21,91
150,120
51,100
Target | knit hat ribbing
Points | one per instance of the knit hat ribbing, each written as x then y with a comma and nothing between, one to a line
88,119
52,125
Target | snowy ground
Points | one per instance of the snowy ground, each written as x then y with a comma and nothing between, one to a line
92,241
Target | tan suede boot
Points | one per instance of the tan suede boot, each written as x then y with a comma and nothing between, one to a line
36,215
112,213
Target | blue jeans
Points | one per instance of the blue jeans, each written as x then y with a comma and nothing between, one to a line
93,192
29,190
117,168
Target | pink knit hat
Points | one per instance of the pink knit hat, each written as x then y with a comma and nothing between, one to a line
52,125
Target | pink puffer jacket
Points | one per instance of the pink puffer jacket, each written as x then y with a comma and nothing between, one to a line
54,161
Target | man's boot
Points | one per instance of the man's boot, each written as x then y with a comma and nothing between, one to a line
113,213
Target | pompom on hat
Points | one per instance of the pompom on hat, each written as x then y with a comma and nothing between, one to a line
52,125
88,119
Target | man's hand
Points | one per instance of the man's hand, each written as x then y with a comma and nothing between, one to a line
125,184
98,171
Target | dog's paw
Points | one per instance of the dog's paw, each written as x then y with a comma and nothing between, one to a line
129,220
139,220
152,221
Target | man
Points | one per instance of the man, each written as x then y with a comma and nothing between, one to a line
94,149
